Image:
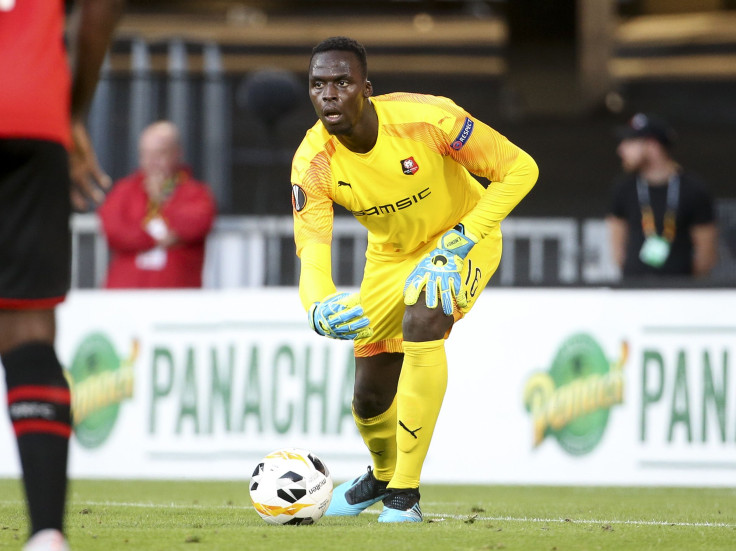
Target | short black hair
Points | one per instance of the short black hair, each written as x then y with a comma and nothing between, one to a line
343,44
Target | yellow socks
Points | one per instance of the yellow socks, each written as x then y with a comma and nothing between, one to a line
379,434
422,386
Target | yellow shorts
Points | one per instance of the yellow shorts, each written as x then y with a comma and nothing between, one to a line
382,291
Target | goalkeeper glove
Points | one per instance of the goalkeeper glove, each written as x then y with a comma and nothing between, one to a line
439,272
340,316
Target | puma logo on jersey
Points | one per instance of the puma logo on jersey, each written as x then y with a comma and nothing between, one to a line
340,183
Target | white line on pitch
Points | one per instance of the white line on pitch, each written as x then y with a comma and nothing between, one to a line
438,516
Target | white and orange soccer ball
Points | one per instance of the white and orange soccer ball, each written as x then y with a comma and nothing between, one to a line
291,486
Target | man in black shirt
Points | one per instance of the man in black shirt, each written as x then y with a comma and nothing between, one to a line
661,220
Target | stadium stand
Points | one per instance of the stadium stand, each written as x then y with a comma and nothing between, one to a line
197,63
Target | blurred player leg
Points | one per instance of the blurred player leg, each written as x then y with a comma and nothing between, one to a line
35,252
47,540
40,411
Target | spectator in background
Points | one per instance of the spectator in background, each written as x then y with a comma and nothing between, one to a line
661,220
157,219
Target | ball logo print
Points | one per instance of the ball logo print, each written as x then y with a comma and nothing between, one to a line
291,486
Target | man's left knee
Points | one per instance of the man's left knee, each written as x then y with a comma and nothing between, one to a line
422,324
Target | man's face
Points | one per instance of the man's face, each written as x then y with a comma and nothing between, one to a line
338,90
159,154
633,153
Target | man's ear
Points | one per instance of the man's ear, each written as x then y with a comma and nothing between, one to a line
368,91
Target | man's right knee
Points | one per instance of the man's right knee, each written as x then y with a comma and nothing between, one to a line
376,379
369,403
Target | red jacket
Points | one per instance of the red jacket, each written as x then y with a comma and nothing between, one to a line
189,213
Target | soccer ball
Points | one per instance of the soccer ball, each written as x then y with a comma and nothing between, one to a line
291,486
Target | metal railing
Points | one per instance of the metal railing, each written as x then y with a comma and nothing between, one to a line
258,251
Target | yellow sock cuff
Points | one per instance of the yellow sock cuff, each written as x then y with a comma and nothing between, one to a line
424,354
379,435
389,413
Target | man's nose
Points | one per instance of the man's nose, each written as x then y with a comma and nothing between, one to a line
330,91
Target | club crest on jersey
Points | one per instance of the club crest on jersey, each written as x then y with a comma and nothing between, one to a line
464,134
409,166
298,197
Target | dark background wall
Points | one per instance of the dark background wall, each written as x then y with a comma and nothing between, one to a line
537,103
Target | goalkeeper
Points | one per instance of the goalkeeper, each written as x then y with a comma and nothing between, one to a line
401,163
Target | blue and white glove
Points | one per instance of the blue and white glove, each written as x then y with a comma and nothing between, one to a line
439,273
340,316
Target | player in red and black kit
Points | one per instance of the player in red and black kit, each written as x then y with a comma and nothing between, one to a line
45,154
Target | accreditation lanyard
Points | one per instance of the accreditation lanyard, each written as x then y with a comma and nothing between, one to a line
670,215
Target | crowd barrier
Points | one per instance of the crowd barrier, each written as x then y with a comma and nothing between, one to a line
546,386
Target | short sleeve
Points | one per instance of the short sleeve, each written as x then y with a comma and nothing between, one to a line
702,204
617,199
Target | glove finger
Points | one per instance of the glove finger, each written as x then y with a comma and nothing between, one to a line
360,323
411,295
432,292
359,334
446,298
364,333
346,315
334,303
408,283
335,298
352,326
462,299
350,300
322,327
413,288
333,309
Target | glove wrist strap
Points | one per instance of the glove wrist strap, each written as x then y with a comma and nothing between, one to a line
312,322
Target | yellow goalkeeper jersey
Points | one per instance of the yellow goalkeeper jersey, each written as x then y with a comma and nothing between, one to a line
413,185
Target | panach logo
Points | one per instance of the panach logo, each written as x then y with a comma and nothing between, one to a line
464,134
99,382
572,401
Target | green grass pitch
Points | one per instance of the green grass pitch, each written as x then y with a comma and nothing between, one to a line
188,516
